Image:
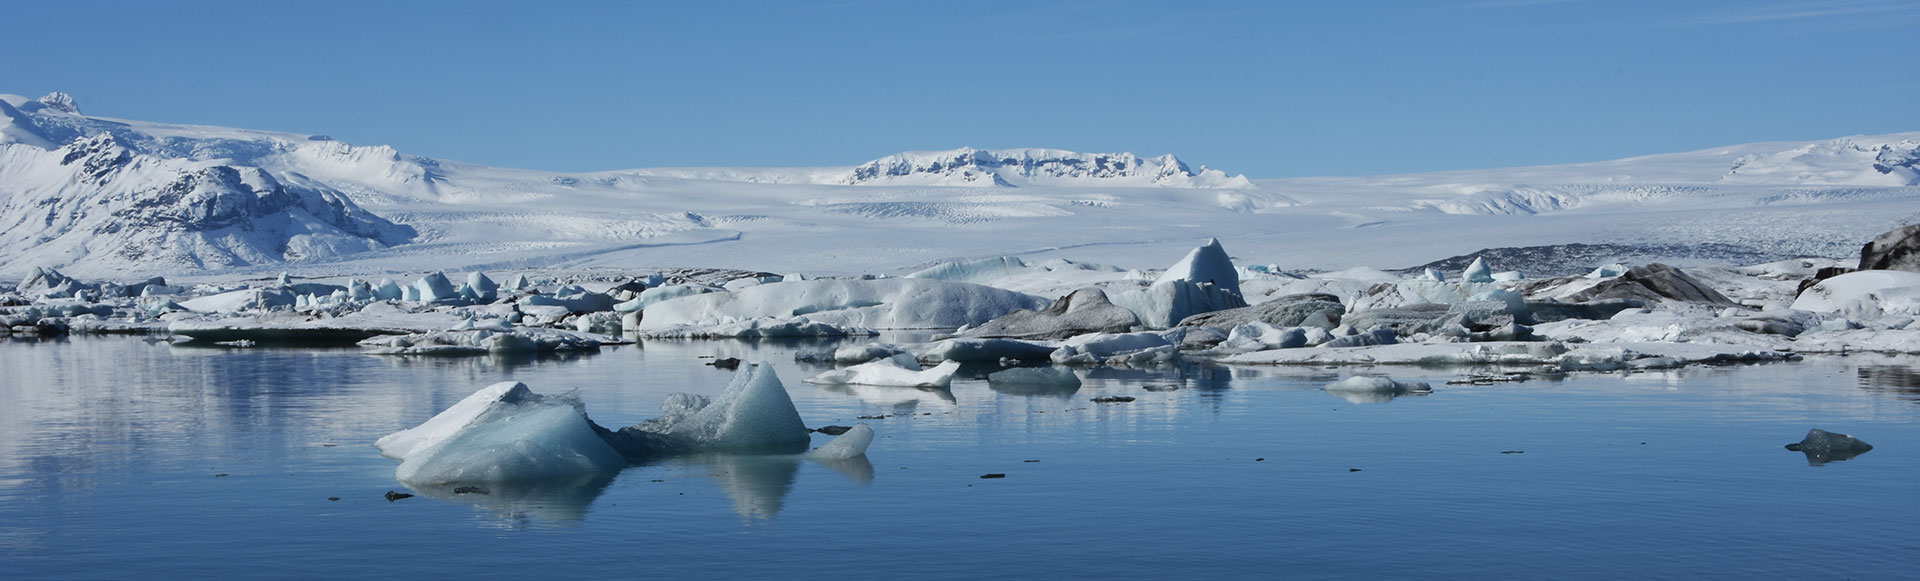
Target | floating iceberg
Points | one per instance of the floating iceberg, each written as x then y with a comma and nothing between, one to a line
506,433
503,432
886,372
847,446
753,415
1364,389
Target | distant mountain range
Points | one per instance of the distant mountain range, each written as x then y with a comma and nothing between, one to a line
115,197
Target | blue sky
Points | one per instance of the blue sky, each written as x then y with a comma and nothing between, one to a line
1269,89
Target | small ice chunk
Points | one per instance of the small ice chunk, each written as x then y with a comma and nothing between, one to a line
887,373
1047,376
1478,271
1366,389
846,446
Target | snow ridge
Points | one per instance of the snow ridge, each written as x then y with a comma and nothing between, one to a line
1014,167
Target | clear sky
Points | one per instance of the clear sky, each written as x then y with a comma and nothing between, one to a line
1265,88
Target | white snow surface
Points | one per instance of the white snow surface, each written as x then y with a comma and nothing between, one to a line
1886,288
101,197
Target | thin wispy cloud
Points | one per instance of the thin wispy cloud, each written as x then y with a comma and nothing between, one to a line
1809,11
1498,4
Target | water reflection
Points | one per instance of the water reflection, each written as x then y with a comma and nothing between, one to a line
1900,381
1371,397
517,503
1058,390
900,398
758,485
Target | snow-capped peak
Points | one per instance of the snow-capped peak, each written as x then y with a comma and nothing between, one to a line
1016,167
61,102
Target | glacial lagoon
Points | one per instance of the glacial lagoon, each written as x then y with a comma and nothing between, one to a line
121,457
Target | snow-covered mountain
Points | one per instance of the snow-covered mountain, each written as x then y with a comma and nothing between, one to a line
104,197
1017,167
96,203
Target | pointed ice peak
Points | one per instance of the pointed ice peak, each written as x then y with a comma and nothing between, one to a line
1479,271
1207,264
61,102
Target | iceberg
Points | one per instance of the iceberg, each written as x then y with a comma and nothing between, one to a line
1478,271
753,415
847,446
1207,264
435,287
1119,348
969,350
886,372
1203,282
502,433
1363,389
506,433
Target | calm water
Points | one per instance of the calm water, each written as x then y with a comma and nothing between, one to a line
112,453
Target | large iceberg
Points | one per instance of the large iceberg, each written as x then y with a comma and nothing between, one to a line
1203,282
506,433
753,415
